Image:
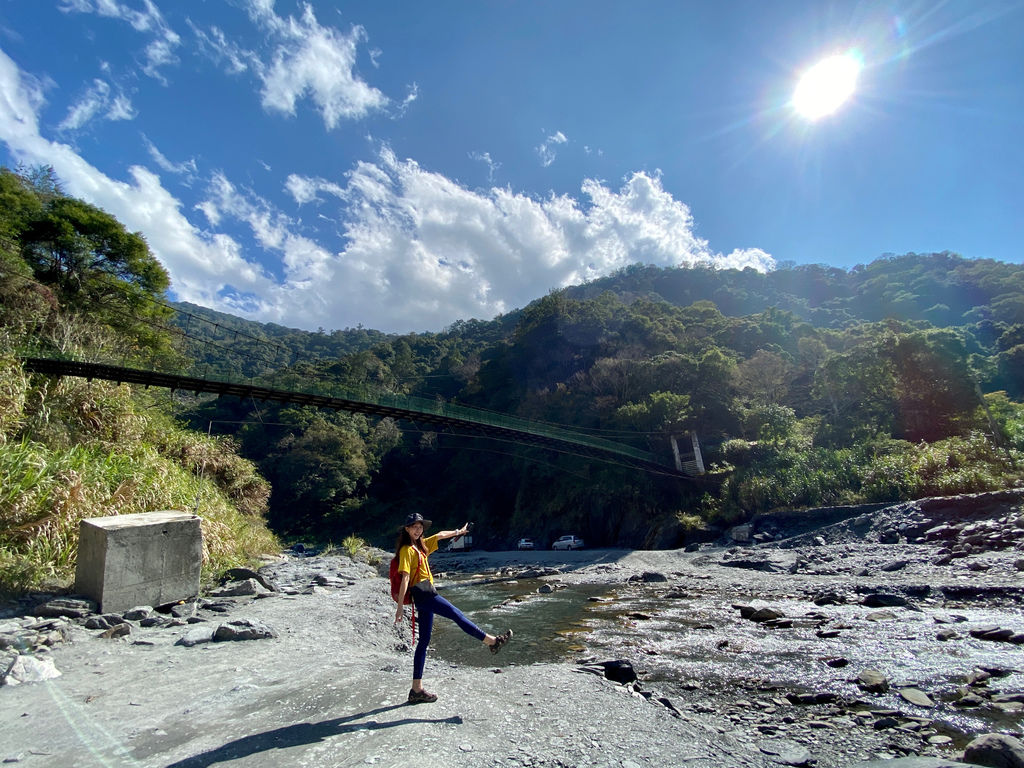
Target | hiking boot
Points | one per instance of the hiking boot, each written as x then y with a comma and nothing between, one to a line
500,640
421,697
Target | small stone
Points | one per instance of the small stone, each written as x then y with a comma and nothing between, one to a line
138,613
882,600
916,697
881,616
118,630
895,565
873,681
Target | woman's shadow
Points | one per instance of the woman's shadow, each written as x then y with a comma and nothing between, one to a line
300,733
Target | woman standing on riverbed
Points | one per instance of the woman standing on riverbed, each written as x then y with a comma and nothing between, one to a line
413,551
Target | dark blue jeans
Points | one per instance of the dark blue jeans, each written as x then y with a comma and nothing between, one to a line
427,607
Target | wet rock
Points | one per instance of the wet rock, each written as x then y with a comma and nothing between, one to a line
652,577
996,750
829,598
618,671
916,697
243,629
946,634
969,700
759,615
68,607
837,663
993,633
29,669
873,681
895,565
883,600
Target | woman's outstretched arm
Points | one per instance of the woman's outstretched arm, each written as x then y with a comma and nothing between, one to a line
452,534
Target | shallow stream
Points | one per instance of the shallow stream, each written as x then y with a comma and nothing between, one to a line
701,640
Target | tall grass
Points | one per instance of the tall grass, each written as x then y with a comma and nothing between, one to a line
92,450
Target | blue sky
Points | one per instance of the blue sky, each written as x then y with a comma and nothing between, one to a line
405,165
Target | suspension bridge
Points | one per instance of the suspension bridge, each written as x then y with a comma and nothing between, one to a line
437,414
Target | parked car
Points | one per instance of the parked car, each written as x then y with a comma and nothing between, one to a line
525,544
568,542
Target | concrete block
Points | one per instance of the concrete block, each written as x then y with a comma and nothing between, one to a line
151,558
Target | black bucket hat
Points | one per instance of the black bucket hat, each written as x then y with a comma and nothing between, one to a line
414,518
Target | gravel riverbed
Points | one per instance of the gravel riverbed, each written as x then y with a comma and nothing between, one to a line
718,685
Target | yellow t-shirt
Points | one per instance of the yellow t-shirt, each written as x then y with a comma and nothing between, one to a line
407,561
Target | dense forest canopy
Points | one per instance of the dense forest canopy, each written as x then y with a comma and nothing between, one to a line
806,386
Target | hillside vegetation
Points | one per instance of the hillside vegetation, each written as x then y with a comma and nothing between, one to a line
74,282
806,386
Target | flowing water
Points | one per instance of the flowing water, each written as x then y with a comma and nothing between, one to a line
701,639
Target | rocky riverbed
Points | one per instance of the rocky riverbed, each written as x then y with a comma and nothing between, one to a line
895,633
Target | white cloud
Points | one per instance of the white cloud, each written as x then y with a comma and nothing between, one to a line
314,61
419,250
186,168
422,251
305,189
97,101
546,150
485,158
159,52
206,268
216,45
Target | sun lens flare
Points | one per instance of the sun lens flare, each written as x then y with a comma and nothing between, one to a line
826,86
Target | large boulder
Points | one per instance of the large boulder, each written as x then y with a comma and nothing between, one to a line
996,750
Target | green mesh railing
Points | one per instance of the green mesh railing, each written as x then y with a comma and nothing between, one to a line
294,384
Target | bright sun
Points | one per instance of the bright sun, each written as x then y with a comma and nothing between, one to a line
824,87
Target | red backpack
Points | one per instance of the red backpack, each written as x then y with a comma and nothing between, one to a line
396,582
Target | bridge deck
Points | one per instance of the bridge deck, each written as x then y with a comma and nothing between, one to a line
418,410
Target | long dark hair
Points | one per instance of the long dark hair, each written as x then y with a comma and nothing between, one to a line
405,540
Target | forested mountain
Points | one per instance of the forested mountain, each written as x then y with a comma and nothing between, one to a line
806,386
74,282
